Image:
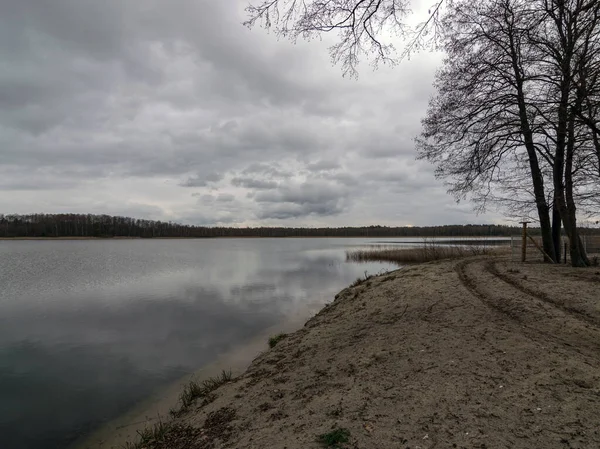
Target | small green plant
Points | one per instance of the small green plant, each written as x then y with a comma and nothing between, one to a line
194,390
149,435
357,282
276,339
162,435
153,433
334,438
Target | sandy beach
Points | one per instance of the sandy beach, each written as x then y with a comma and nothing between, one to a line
476,353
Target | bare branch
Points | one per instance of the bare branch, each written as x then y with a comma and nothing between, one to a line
363,27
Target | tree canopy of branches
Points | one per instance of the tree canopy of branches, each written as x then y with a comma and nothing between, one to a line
479,122
360,25
510,99
515,118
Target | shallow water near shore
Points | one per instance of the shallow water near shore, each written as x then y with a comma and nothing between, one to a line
88,329
124,429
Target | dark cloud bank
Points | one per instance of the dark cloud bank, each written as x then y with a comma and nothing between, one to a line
174,110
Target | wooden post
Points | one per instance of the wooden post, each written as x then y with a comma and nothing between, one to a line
524,242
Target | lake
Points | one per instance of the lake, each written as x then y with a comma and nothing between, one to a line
89,328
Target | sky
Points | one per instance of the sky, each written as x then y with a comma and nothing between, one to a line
173,110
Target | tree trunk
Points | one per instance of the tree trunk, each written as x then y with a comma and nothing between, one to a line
565,138
556,233
576,248
534,166
578,254
544,216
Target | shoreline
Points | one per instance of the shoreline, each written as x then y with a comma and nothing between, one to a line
479,352
124,428
471,237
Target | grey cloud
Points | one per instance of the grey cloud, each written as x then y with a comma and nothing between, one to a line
95,49
210,219
201,181
305,193
400,180
225,198
194,182
345,178
252,183
120,106
267,169
205,198
305,199
290,211
13,179
323,165
406,176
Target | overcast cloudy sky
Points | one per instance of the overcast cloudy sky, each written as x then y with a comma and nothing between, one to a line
173,110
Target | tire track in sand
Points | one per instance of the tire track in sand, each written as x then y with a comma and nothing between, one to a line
537,318
492,267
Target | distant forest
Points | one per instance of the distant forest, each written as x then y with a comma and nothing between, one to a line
106,226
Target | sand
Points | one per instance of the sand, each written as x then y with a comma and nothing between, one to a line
478,353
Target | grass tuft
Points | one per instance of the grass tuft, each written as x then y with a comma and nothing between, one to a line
195,390
360,280
172,436
276,339
334,438
150,435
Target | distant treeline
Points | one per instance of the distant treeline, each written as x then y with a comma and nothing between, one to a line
80,225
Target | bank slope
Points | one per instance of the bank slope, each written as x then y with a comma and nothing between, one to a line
478,353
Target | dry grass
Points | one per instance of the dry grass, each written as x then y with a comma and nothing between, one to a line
276,339
426,253
196,389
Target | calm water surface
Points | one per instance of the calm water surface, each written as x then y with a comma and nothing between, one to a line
89,328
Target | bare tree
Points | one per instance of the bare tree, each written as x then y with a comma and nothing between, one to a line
568,47
518,95
514,88
479,129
